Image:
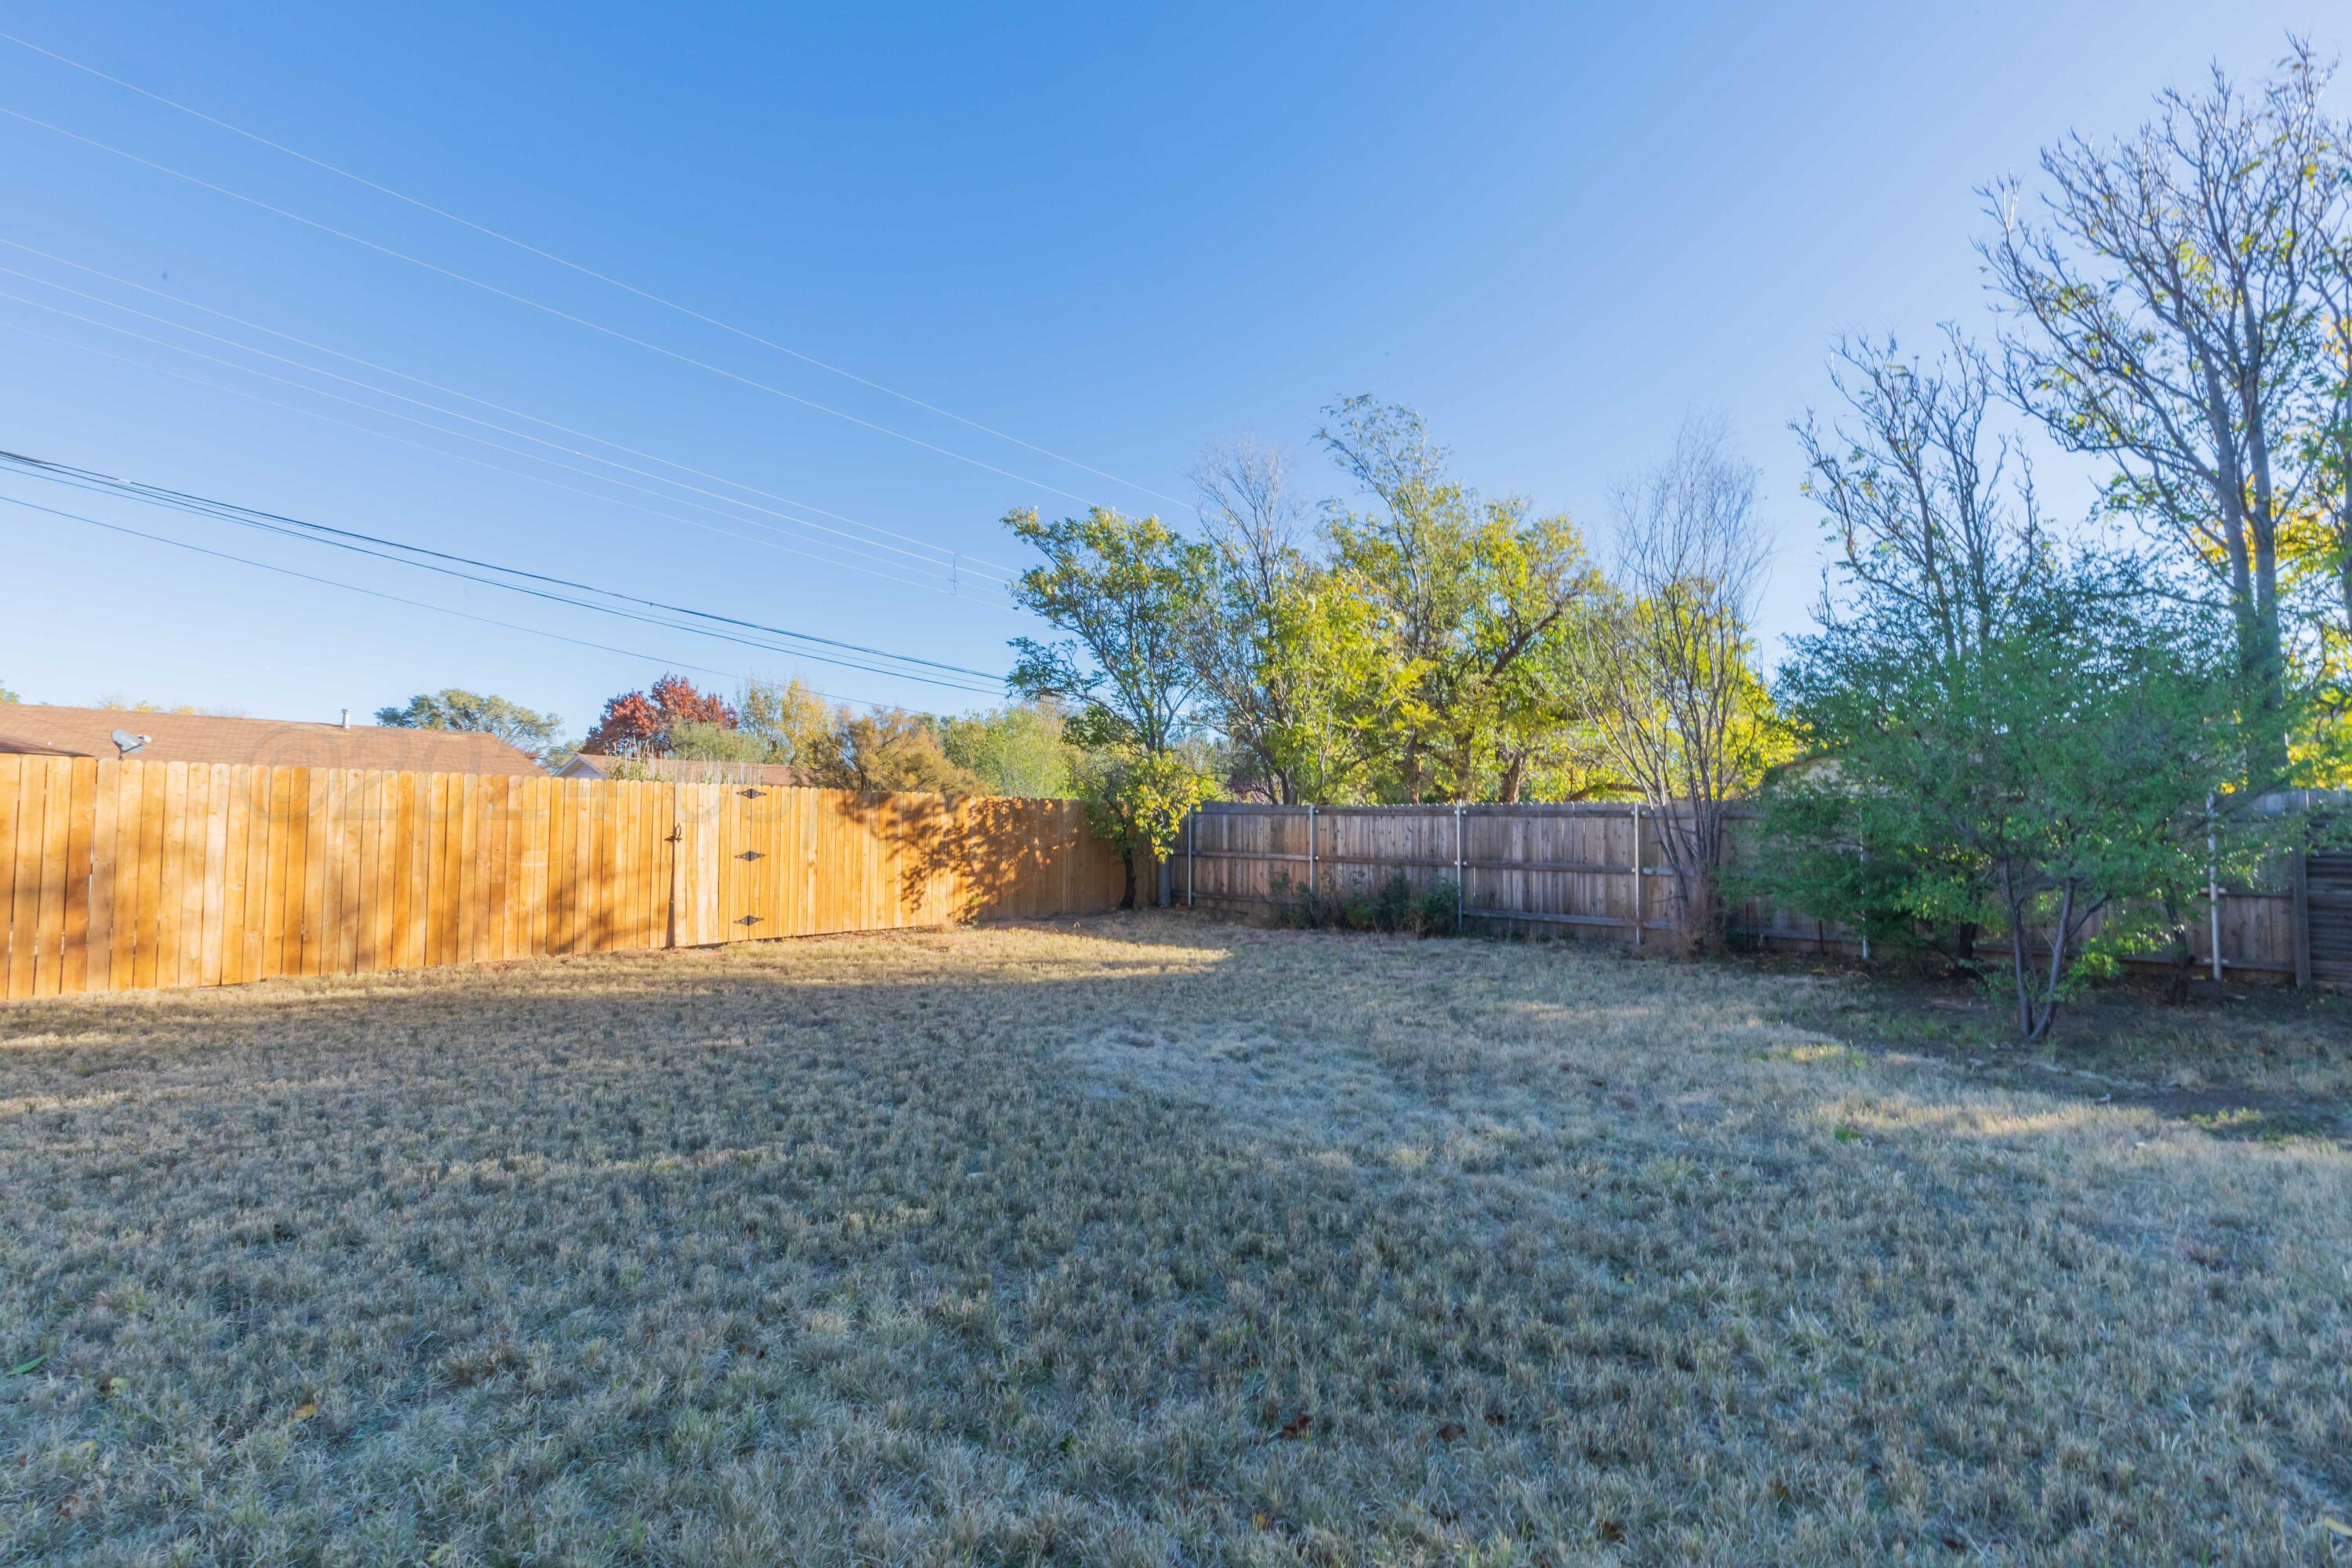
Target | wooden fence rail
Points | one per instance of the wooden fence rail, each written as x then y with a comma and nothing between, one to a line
117,875
1593,867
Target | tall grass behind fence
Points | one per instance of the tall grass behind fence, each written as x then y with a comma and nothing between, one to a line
118,875
1592,868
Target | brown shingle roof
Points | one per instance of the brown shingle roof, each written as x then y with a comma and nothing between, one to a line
10,745
204,737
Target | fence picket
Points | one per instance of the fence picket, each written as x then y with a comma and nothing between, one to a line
117,875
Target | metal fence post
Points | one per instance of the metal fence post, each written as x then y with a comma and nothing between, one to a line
1457,867
1191,828
1310,846
1864,851
2213,885
1638,900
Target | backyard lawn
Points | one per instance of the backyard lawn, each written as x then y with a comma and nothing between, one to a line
1143,1239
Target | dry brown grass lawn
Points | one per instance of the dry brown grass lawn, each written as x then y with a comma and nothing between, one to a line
1149,1241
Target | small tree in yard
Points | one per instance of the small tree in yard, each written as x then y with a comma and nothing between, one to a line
1130,594
1939,536
2069,765
2002,736
2061,773
1666,667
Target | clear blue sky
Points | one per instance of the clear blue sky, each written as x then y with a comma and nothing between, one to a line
1115,234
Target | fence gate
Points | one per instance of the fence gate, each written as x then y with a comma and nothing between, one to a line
2327,915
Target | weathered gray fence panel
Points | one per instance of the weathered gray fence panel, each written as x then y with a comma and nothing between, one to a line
1594,869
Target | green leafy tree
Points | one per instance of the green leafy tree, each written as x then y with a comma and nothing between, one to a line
1020,748
702,741
893,749
2000,736
790,723
2069,769
1473,601
1666,670
2167,310
1939,538
451,708
640,724
1129,595
1292,664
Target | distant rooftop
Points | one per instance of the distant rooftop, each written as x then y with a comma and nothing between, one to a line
38,729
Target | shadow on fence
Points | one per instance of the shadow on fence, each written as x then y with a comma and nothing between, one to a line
118,875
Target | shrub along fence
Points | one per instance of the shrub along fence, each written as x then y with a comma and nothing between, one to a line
1595,868
117,875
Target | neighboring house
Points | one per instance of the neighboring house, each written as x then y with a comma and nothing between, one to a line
679,770
12,747
1817,767
37,729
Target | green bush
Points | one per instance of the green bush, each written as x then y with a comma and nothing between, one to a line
1395,907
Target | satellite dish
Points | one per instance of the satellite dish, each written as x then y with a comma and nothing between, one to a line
126,743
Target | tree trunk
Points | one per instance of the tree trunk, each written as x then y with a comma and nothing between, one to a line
1702,911
2040,1017
1963,954
1127,894
2183,964
2017,966
2020,975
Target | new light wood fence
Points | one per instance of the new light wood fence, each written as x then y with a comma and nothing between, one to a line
1586,868
121,874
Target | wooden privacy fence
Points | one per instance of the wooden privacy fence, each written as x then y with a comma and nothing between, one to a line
1597,867
117,875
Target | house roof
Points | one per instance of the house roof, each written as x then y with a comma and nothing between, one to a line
39,728
680,770
12,746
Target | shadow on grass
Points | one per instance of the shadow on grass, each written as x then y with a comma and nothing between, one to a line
2247,1063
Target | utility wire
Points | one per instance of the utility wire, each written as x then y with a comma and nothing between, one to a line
325,537
584,270
468,396
947,587
419,603
945,570
360,543
537,305
667,622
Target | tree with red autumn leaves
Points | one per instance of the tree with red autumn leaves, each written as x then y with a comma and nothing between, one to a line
641,723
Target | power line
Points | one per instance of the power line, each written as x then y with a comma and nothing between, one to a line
584,270
454,392
419,603
344,539
941,569
936,586
359,543
163,492
537,305
664,622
